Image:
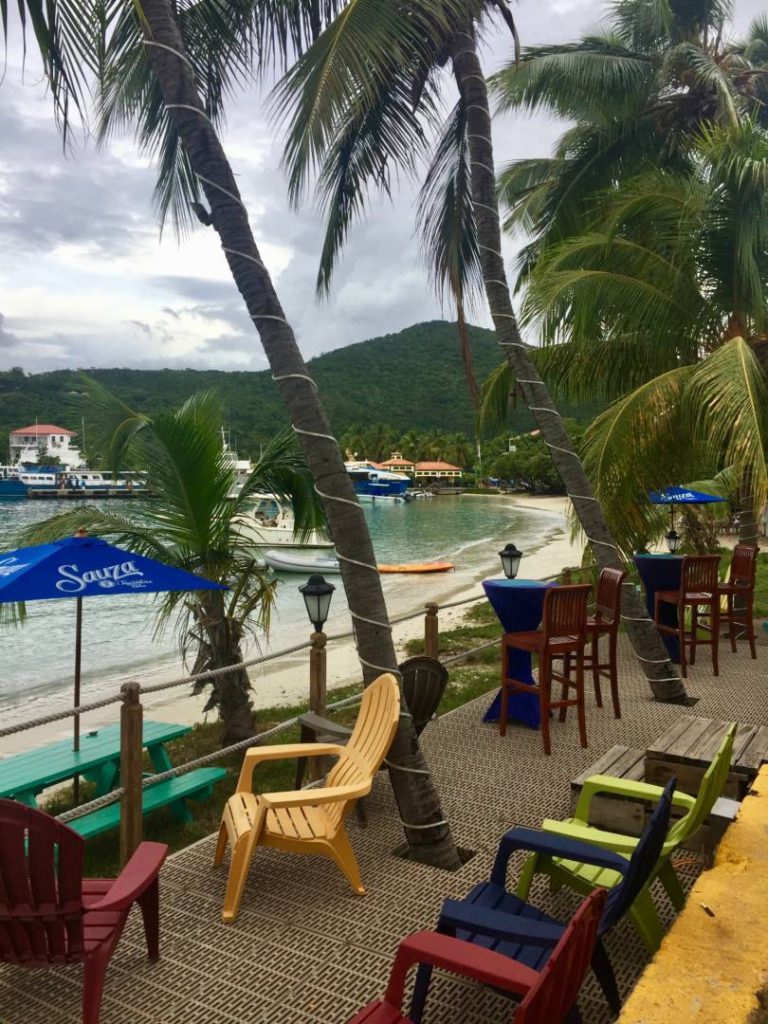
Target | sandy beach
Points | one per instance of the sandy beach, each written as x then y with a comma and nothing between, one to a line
285,680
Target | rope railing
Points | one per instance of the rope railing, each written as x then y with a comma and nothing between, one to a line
215,673
114,795
206,759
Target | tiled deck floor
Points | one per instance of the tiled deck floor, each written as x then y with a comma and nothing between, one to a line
306,949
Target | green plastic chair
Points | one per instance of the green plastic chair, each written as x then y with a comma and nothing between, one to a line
585,877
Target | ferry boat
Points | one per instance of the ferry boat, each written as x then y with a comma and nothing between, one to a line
29,481
374,484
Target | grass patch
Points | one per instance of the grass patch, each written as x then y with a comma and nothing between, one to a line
467,681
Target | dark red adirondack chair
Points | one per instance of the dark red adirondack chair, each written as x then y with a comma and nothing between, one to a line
547,996
50,914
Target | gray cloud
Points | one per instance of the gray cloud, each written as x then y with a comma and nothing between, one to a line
7,340
67,310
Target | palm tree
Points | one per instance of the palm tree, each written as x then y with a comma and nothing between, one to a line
195,526
668,286
636,95
167,72
362,105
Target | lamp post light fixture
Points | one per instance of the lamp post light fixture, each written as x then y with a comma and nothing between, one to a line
510,560
317,593
673,541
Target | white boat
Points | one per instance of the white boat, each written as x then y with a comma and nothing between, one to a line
269,523
242,467
289,561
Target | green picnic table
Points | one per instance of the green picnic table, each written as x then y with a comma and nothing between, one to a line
24,776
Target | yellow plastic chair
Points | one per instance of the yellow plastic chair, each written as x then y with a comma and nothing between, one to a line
309,820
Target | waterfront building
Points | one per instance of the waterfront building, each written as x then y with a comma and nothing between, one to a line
27,444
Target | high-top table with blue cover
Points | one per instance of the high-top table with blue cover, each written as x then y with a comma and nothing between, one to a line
662,572
24,776
519,605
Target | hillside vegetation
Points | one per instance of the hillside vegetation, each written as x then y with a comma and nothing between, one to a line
412,380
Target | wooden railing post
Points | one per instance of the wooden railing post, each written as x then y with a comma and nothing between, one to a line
317,690
430,629
317,673
131,745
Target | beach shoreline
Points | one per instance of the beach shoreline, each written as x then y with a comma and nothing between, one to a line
285,681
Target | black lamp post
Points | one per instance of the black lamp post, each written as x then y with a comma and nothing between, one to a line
510,560
317,594
673,541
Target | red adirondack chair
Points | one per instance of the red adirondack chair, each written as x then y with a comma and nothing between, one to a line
50,914
548,996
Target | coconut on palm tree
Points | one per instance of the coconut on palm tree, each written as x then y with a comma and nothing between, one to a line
196,526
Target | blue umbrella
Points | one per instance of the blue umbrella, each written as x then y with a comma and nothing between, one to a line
84,566
682,496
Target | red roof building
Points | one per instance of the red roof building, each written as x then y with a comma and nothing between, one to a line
42,430
438,469
398,464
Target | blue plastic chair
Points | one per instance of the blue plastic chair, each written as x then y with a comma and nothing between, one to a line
493,917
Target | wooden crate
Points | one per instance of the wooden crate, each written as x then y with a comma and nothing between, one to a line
630,816
687,747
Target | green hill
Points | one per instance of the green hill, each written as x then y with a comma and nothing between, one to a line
409,380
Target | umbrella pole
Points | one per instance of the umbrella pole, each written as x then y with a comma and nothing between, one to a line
78,653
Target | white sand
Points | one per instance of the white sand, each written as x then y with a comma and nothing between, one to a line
285,680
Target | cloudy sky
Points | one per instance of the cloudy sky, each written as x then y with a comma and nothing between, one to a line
86,281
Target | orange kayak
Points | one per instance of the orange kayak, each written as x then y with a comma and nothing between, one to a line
419,567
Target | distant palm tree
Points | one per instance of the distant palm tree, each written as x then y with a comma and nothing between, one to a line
195,525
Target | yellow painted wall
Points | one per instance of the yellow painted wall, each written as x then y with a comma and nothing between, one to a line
714,969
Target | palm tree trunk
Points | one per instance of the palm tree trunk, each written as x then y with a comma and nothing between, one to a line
644,637
220,645
415,792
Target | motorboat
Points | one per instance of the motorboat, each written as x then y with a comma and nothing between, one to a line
374,484
270,523
292,561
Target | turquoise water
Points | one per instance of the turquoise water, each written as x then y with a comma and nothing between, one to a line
118,632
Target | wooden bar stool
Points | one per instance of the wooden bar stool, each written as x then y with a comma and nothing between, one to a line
699,588
739,593
605,622
563,634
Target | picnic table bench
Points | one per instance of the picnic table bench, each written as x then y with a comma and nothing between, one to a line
24,776
198,783
683,750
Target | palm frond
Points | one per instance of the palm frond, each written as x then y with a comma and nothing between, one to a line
373,139
495,399
726,406
597,76
446,224
639,444
65,33
348,68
